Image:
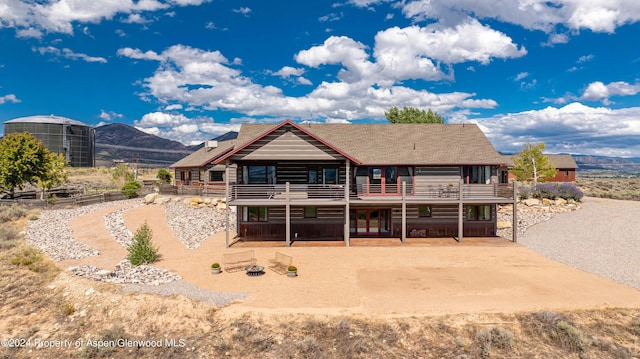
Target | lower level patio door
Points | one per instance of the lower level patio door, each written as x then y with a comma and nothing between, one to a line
374,222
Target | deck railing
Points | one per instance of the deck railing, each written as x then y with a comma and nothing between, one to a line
279,191
443,191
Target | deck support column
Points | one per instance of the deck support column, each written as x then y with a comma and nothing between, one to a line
287,216
514,226
403,237
226,198
347,219
460,213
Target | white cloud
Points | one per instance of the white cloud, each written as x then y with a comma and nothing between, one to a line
574,128
9,98
181,128
288,71
412,52
173,107
109,115
137,54
521,76
206,80
594,15
243,10
32,18
136,19
598,91
68,53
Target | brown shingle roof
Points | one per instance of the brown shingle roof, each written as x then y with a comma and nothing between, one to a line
203,156
411,144
563,161
558,161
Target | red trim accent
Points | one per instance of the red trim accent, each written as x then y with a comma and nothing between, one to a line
278,126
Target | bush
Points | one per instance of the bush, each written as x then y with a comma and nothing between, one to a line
8,236
164,176
570,191
563,190
12,213
141,249
130,189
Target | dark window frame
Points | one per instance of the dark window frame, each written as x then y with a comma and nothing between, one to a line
314,211
425,211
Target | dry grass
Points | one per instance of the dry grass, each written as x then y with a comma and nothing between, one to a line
614,188
57,305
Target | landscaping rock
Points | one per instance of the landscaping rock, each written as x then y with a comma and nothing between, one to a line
150,198
531,202
162,200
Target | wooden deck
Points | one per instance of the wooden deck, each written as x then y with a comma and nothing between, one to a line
379,242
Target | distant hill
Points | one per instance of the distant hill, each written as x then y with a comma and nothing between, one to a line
126,143
120,142
611,165
231,135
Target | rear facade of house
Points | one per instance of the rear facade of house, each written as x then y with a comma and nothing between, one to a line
293,182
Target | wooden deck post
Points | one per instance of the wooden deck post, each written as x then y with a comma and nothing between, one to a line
226,196
514,226
404,212
347,214
460,213
287,216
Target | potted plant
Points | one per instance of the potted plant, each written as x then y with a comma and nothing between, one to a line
215,268
292,271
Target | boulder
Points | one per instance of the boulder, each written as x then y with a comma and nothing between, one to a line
162,200
222,205
504,224
196,200
546,202
531,202
150,198
560,202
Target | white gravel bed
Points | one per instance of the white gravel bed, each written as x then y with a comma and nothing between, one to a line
601,238
192,225
52,234
125,272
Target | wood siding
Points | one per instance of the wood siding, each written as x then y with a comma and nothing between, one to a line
287,143
328,225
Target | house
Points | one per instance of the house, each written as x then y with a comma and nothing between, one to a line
337,181
198,170
565,166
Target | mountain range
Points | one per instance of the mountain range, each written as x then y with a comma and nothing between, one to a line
123,143
118,142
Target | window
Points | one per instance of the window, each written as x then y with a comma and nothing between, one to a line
310,212
254,214
479,213
258,174
424,211
330,175
312,176
216,176
479,174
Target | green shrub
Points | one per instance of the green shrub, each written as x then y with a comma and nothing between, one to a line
130,189
164,176
141,249
30,258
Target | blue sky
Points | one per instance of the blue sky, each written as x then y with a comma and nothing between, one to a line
565,72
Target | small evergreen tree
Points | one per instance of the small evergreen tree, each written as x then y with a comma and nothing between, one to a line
129,189
164,176
141,250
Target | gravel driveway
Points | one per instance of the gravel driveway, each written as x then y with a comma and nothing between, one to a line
601,238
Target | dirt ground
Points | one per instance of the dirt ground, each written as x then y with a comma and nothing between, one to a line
370,281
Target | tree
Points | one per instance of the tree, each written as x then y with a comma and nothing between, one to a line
164,176
531,165
23,159
412,115
54,174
